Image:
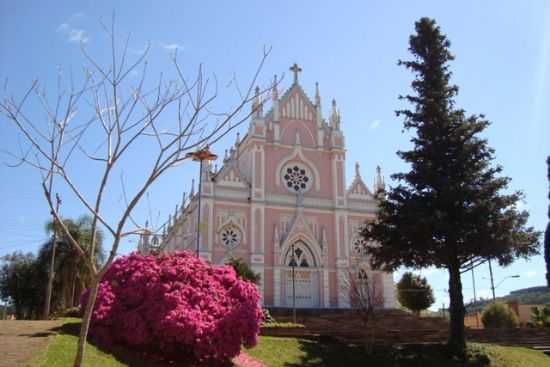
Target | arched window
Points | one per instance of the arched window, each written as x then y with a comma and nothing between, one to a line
299,255
230,236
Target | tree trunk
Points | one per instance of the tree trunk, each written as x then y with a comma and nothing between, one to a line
457,338
86,322
73,292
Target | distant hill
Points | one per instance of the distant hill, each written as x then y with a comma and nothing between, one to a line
525,296
538,289
532,295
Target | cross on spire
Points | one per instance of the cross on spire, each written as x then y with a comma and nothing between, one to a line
295,69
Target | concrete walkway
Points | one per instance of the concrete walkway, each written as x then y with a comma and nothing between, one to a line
21,341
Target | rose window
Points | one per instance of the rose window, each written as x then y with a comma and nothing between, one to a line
230,236
296,178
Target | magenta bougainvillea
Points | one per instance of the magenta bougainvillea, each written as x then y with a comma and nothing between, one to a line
176,306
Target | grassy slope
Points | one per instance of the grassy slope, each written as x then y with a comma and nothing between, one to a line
62,350
291,352
516,357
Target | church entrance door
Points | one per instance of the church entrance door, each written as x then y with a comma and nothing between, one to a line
306,283
306,277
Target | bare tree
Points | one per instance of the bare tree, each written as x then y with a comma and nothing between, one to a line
364,298
174,117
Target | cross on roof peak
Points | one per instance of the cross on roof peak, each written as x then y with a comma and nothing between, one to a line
295,69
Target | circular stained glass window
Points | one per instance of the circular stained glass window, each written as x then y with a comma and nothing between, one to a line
230,236
296,178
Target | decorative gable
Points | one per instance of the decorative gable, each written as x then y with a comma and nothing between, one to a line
301,230
296,105
358,189
231,176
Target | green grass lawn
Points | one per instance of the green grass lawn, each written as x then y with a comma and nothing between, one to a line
292,352
62,350
516,357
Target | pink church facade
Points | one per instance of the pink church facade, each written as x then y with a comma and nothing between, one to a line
281,203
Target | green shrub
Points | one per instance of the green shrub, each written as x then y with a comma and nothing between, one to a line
498,315
68,312
414,293
266,317
540,317
244,270
282,325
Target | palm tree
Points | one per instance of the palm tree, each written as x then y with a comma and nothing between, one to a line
72,275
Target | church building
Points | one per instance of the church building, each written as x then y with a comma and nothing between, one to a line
281,203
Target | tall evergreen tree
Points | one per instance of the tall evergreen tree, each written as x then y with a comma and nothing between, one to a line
448,210
547,233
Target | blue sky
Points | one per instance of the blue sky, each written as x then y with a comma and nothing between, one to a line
351,48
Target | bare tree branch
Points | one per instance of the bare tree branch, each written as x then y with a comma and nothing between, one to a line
98,123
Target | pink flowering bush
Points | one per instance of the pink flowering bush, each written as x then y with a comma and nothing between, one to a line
176,306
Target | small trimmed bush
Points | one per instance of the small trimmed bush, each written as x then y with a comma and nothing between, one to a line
176,306
498,315
266,317
71,312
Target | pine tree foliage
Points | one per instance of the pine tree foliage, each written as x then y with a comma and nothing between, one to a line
451,208
414,292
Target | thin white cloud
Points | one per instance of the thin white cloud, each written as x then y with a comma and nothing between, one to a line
375,124
78,36
171,46
73,34
63,27
138,52
531,274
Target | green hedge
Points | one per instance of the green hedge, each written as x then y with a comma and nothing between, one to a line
281,325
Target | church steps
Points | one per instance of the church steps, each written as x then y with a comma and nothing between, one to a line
397,327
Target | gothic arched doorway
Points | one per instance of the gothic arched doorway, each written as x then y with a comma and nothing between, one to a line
301,260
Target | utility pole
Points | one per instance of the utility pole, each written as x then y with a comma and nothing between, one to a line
51,274
293,264
473,281
474,288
